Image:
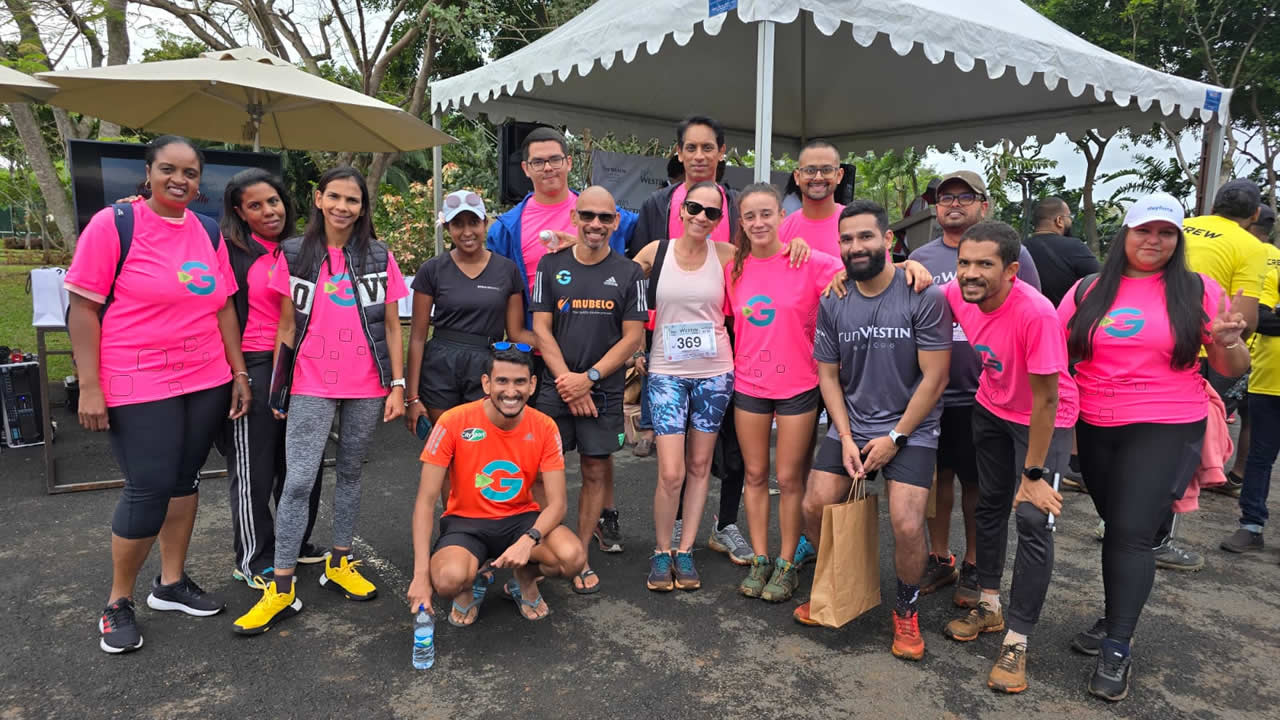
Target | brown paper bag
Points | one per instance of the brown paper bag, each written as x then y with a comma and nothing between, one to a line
846,581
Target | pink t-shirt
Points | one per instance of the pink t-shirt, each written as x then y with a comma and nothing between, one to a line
335,360
160,336
1023,336
675,226
1129,378
822,235
536,218
264,304
775,311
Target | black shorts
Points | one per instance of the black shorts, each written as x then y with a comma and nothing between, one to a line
1228,389
805,402
955,443
486,538
912,465
451,374
591,436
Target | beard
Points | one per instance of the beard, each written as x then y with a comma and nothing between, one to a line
874,267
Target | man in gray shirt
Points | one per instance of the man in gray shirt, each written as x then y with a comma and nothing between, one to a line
883,352
962,203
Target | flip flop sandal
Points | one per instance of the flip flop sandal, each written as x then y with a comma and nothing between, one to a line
512,593
484,578
464,610
584,590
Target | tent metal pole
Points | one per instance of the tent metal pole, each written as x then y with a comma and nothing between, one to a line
804,80
437,192
764,100
1211,163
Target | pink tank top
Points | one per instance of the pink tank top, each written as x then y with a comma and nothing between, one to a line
689,339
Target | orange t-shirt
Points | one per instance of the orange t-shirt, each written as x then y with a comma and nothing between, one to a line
492,471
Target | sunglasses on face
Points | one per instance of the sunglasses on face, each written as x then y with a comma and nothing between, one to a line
471,199
587,216
693,208
505,345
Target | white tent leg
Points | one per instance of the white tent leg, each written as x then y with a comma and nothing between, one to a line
1211,164
437,194
764,100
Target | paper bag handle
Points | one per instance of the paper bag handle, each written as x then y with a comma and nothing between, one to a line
857,488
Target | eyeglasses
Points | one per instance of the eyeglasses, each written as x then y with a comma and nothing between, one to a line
555,162
960,199
505,345
812,171
587,216
453,200
693,208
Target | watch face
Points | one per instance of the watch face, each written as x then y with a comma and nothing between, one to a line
593,374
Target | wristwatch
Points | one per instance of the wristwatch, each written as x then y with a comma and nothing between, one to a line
898,438
533,533
398,382
593,375
1037,472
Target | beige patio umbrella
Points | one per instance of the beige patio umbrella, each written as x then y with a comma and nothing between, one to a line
18,87
242,95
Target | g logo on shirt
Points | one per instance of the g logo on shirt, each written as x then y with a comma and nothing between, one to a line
506,487
195,275
1122,322
760,317
989,359
343,295
563,277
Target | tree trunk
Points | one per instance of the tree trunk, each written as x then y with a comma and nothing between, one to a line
1092,146
117,51
55,196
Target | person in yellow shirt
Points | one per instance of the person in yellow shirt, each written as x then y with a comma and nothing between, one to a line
1264,401
1221,246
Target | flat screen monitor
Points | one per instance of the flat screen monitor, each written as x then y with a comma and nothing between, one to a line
103,172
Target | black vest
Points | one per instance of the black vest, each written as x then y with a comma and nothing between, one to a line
370,290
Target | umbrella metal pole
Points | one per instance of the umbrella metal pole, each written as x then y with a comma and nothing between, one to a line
437,193
764,100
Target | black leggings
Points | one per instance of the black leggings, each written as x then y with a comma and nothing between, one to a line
1134,473
161,446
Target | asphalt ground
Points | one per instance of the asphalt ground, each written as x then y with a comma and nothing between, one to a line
1207,647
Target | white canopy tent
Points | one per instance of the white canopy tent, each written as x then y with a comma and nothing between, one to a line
864,74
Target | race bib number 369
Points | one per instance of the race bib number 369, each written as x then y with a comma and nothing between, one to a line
682,341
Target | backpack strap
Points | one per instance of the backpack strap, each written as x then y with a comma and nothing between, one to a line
1086,282
651,291
210,227
123,214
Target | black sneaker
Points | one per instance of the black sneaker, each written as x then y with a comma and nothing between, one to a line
185,596
1110,679
1231,487
938,574
311,554
607,533
967,592
1242,541
119,628
1089,642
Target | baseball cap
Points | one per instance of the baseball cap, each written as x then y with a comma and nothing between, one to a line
1266,216
462,201
1154,207
968,177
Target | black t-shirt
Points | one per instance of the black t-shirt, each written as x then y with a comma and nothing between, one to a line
588,304
474,305
1061,261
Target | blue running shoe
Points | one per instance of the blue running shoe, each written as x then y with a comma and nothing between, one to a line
806,553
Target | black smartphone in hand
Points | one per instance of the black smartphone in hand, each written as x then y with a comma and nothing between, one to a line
423,428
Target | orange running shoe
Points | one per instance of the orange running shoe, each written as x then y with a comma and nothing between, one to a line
801,615
907,642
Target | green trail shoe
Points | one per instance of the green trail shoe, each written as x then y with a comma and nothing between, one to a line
786,577
753,584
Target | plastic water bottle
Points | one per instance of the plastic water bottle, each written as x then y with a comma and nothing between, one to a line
551,240
424,640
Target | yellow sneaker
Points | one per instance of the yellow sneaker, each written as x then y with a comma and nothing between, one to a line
272,608
347,580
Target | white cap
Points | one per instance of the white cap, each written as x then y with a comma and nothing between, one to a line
1154,207
462,201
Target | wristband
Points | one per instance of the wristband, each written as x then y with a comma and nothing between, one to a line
242,372
412,400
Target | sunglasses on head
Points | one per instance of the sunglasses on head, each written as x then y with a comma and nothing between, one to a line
588,216
693,208
505,345
472,199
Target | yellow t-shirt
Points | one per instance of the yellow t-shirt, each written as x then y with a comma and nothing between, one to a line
1264,350
1226,252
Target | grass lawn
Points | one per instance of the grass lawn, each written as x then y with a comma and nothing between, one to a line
15,321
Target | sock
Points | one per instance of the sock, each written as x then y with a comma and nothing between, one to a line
721,524
907,597
284,583
993,600
1013,638
1074,463
335,557
1112,645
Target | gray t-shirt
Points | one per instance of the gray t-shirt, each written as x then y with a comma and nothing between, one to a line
875,339
939,259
